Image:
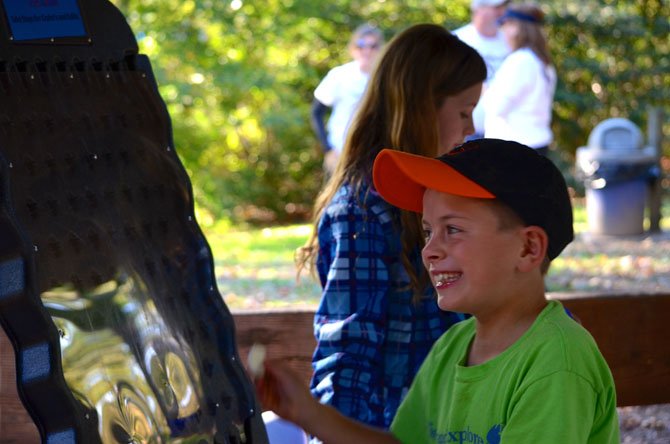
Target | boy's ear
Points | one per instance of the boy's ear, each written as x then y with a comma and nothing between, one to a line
534,249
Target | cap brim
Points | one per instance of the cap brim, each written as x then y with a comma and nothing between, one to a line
402,178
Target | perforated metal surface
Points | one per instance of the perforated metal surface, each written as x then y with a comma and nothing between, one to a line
107,287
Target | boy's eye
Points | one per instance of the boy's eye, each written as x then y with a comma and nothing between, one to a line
453,230
426,235
465,115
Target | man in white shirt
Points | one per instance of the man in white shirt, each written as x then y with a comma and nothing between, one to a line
482,33
341,91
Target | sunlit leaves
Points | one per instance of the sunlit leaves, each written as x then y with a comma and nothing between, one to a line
612,61
238,78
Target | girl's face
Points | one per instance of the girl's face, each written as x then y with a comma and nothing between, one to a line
510,30
454,118
471,259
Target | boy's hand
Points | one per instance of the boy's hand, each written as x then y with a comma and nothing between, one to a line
281,390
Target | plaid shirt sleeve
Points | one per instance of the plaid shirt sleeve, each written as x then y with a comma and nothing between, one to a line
351,321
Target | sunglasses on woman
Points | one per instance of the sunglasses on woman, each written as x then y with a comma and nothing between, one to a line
362,44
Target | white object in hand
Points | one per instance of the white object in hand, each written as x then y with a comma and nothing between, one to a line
255,360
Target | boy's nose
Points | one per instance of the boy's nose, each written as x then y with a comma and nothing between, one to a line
430,253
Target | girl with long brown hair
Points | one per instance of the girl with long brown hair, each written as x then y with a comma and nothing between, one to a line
378,318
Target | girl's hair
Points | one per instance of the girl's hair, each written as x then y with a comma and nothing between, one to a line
531,34
364,30
417,70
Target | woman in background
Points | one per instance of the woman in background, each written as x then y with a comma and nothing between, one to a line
517,104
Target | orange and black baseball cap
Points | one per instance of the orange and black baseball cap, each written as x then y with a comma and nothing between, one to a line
514,174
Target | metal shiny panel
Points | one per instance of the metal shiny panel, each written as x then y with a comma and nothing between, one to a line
123,361
139,336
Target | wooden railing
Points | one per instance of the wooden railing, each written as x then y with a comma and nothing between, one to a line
632,332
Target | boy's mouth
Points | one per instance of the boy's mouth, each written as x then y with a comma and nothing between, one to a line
442,279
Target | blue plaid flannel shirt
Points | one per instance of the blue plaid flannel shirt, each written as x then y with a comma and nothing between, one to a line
371,336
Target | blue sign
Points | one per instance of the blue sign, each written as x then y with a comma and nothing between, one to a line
44,19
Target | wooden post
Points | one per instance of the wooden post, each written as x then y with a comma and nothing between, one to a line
654,138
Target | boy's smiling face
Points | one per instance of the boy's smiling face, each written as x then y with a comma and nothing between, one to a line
471,257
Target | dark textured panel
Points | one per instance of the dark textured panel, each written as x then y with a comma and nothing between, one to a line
110,301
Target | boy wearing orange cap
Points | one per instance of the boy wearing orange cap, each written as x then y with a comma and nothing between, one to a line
495,213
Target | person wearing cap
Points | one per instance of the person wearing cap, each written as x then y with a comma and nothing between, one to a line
494,213
377,317
518,102
341,90
483,34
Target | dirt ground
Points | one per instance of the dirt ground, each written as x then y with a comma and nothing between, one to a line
645,424
622,264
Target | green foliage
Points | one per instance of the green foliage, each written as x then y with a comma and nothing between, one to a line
238,77
612,60
255,267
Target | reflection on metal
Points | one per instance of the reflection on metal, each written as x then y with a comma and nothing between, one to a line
120,333
125,362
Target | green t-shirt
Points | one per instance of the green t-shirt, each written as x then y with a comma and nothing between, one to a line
551,386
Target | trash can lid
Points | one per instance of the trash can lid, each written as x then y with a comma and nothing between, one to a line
616,135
